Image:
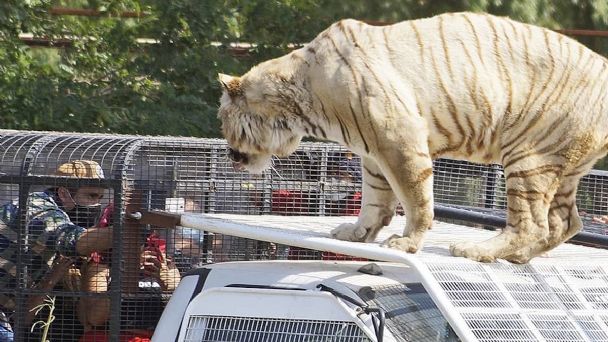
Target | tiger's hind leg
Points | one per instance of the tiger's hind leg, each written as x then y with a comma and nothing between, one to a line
564,223
377,206
529,194
564,219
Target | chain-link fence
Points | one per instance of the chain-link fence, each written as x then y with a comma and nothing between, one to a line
67,241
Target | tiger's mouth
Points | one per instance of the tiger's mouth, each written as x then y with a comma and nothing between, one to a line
237,156
239,159
254,163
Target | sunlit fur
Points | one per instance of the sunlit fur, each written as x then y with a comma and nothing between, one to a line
460,85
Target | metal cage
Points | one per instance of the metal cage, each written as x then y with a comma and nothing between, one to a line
186,175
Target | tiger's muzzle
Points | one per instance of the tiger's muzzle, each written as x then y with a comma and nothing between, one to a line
239,159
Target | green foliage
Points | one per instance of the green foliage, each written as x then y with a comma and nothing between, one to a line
106,80
109,80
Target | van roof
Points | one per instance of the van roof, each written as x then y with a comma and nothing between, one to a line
562,296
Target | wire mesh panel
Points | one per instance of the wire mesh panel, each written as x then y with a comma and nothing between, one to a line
15,150
503,302
482,188
106,151
242,329
592,327
556,328
476,290
591,283
499,327
467,184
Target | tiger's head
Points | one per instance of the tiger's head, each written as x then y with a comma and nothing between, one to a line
255,120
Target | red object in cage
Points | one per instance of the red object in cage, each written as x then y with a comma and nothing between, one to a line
155,242
353,204
286,202
106,215
127,336
339,257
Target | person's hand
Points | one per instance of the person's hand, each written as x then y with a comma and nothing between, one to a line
61,264
601,219
60,267
72,279
151,261
154,264
169,277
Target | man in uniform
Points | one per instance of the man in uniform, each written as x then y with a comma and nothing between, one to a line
60,223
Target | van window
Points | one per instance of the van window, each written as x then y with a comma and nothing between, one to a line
411,314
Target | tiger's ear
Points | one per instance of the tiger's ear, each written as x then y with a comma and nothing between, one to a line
231,84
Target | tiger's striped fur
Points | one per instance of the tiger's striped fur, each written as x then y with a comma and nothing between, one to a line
459,85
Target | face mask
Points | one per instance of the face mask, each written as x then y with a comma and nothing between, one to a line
84,215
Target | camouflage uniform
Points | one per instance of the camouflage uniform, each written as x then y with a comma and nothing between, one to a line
50,231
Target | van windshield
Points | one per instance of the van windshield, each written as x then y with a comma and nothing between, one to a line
411,314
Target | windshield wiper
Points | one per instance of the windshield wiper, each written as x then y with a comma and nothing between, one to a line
377,314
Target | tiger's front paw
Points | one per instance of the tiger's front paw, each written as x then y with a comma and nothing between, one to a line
349,232
403,243
472,251
523,256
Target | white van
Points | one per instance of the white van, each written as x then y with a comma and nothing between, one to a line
429,296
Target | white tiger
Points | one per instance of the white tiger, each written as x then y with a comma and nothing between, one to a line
459,85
